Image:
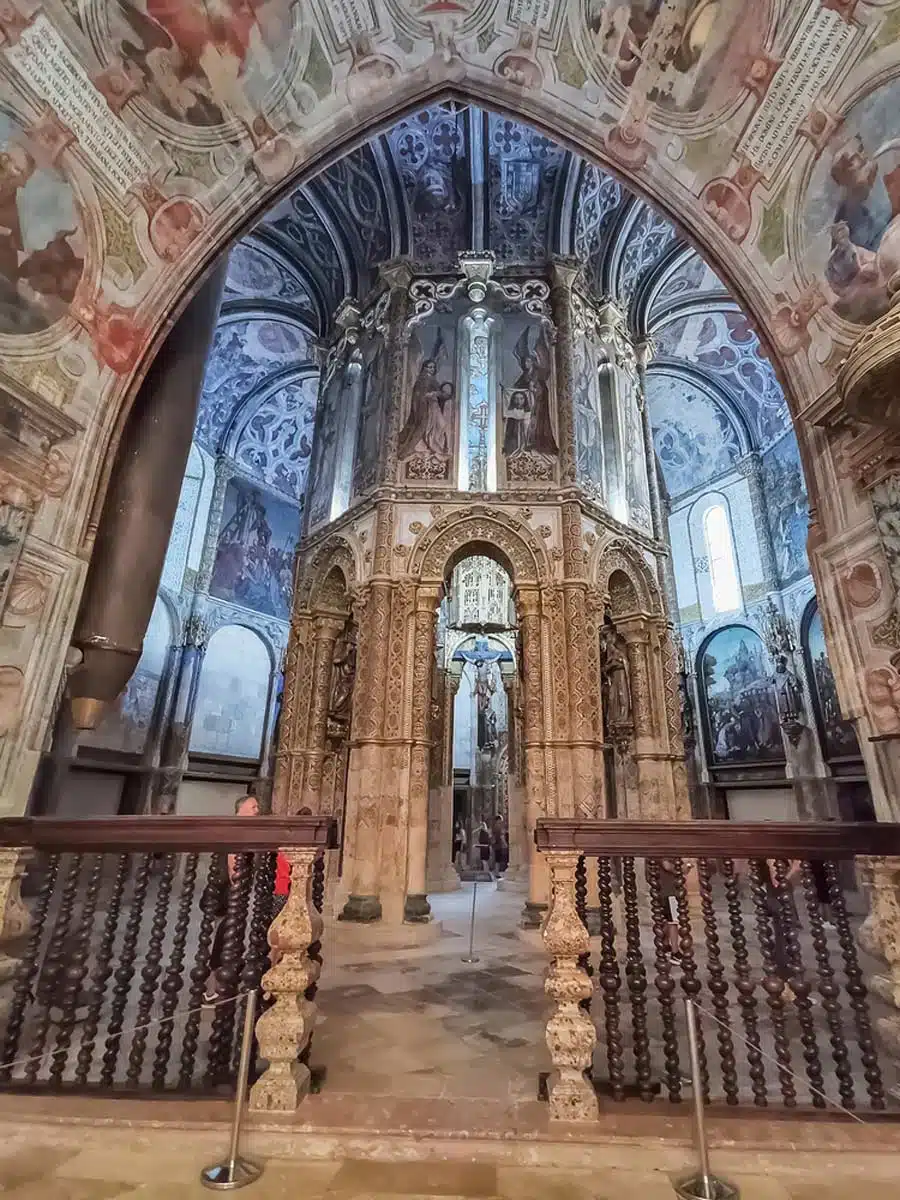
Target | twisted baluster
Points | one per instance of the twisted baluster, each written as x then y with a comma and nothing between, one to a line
27,970
52,969
318,883
124,972
773,984
636,977
584,960
718,985
222,1033
856,990
690,980
174,978
256,960
610,981
801,986
665,984
209,906
745,986
101,974
151,971
74,973
829,991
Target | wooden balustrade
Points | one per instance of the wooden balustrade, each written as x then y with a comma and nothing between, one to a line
749,921
134,921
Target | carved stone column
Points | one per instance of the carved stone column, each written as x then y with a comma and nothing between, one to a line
653,755
326,631
416,908
564,272
398,276
571,1035
528,607
363,827
284,1030
750,466
295,702
441,873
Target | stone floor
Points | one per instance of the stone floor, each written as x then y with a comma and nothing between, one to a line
147,1169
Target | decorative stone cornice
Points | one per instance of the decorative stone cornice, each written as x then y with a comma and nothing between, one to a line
869,377
872,456
30,431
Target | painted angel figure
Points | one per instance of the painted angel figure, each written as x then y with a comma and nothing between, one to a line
527,403
428,425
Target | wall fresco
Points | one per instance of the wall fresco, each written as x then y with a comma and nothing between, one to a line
838,736
255,550
787,509
694,436
738,698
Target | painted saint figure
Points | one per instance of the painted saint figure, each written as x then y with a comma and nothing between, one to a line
429,423
528,425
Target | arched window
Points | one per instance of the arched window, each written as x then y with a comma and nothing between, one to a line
722,572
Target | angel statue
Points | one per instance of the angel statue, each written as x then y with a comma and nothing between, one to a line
428,425
526,406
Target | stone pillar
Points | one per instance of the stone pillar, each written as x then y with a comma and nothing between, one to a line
327,628
177,735
398,276
643,349
750,466
658,796
528,607
141,501
563,273
295,700
441,872
416,907
365,818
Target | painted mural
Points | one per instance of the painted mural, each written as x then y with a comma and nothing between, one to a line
524,170
14,523
41,239
787,508
427,438
197,63
851,214
838,736
695,54
325,446
368,433
275,443
637,489
254,558
693,433
738,699
255,274
529,442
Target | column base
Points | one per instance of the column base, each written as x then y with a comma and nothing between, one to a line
443,880
362,910
533,915
416,910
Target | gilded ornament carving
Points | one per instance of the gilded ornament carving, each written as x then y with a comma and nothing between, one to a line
570,1035
451,533
619,558
283,1030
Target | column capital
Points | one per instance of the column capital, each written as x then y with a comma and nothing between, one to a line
564,272
644,350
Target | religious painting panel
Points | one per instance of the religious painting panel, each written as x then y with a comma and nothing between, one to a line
787,508
198,64
637,488
428,435
738,699
527,400
368,433
696,63
333,392
588,422
42,248
838,736
13,528
254,557
851,209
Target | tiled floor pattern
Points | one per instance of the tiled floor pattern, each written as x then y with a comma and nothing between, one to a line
48,1173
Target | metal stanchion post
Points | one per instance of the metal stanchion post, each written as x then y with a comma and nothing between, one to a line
472,957
704,1186
236,1172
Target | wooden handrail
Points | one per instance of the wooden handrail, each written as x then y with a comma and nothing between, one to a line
718,839
160,834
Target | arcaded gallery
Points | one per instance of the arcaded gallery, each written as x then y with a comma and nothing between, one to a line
450,598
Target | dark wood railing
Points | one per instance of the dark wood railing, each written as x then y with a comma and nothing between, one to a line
112,990
749,921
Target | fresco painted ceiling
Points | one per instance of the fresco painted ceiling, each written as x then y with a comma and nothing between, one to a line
455,177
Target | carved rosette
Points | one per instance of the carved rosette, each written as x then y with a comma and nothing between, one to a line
284,1030
571,1036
